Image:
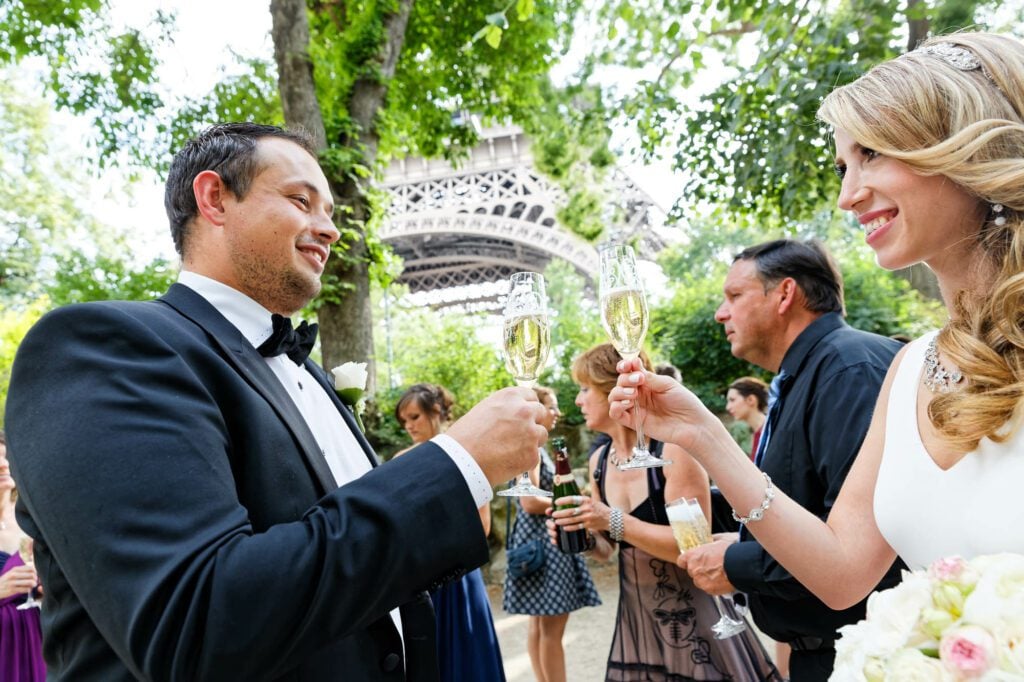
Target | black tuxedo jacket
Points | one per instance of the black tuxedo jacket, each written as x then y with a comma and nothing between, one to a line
186,524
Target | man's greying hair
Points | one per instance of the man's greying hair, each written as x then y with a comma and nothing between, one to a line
229,149
808,263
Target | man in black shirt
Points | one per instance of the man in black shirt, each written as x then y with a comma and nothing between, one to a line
783,311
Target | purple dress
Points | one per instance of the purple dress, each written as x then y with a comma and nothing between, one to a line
21,641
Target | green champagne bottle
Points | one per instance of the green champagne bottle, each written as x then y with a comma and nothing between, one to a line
569,541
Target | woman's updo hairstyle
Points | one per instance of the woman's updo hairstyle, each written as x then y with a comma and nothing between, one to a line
596,367
433,399
955,107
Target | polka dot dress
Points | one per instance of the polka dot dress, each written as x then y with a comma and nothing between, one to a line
563,584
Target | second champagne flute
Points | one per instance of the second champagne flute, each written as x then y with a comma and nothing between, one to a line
624,316
690,528
25,549
527,339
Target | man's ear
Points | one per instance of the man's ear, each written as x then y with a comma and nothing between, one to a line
210,193
788,293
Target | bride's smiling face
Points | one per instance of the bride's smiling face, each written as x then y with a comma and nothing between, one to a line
907,218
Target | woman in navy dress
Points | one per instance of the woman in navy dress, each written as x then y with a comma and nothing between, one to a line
467,644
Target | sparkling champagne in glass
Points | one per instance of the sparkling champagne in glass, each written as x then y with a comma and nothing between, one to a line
624,316
25,549
527,339
690,528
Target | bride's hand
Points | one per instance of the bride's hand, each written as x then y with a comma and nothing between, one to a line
670,412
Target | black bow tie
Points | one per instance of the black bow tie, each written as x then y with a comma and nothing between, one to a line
295,343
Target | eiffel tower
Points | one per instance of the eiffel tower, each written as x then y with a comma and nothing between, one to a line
462,231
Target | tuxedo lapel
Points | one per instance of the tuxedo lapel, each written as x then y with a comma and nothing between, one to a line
325,381
252,366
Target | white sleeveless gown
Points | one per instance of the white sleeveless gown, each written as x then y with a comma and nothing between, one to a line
926,513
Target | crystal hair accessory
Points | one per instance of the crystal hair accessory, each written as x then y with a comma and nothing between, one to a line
954,55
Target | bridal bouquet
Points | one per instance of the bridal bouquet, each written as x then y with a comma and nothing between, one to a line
959,620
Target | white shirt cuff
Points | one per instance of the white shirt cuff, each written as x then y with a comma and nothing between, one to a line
479,487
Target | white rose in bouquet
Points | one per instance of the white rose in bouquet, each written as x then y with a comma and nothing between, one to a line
959,620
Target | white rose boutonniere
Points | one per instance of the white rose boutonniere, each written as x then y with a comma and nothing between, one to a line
350,383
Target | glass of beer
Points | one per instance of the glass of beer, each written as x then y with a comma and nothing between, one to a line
690,528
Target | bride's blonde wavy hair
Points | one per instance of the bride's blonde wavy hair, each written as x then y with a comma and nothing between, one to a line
969,127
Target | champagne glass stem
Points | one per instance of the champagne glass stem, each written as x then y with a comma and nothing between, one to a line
641,439
727,626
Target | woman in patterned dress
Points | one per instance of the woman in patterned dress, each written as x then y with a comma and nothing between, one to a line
663,627
563,585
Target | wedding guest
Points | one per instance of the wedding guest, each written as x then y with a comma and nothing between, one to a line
930,150
171,455
562,585
747,401
21,649
467,644
663,625
783,311
665,369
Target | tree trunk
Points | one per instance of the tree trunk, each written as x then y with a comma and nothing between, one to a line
917,28
348,326
290,31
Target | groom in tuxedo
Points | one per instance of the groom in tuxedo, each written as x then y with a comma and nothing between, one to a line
202,505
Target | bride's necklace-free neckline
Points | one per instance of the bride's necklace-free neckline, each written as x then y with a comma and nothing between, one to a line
937,378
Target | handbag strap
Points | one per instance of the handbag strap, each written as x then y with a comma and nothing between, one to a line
508,524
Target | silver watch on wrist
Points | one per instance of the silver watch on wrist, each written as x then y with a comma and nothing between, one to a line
616,525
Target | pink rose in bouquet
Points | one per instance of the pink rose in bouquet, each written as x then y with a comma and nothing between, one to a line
958,620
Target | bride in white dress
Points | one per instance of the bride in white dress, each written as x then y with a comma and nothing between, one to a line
930,149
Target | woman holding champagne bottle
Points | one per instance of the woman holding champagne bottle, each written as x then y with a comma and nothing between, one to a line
467,644
561,586
21,648
663,630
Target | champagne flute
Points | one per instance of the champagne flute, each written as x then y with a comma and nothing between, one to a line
690,528
25,549
625,319
527,339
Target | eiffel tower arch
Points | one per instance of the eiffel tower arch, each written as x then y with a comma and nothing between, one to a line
462,231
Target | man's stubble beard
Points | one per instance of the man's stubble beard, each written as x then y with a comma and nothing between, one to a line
284,291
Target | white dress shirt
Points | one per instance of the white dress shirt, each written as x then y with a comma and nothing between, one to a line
338,444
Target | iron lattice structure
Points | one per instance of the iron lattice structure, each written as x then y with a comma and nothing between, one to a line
460,229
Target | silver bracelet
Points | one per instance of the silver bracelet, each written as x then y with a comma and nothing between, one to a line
757,513
616,525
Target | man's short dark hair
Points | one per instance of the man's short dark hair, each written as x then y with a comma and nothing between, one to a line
808,263
229,149
669,370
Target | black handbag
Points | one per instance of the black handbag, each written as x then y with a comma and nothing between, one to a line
526,558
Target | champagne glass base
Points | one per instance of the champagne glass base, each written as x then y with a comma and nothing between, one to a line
728,627
520,490
642,459
29,605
